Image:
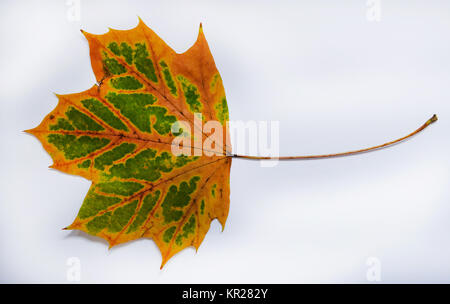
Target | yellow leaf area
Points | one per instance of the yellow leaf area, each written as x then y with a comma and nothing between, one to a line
118,135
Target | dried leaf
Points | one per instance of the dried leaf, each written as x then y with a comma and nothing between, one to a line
118,135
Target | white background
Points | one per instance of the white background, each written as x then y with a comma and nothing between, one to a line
334,80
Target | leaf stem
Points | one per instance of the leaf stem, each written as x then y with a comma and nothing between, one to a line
426,124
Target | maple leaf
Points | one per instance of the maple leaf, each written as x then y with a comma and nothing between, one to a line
119,135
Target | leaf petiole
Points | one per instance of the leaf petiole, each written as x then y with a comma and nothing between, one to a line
426,124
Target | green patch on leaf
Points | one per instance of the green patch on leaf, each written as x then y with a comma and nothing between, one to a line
99,223
163,122
124,50
202,207
213,190
62,124
126,83
137,107
146,165
81,121
191,94
214,80
107,158
177,198
168,234
188,228
94,203
147,206
182,160
139,56
84,165
112,66
222,111
134,107
102,111
76,147
143,63
168,78
119,188
121,216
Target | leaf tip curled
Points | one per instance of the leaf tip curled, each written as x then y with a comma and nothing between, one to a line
434,118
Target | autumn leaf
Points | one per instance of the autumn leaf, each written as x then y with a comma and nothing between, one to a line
119,135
